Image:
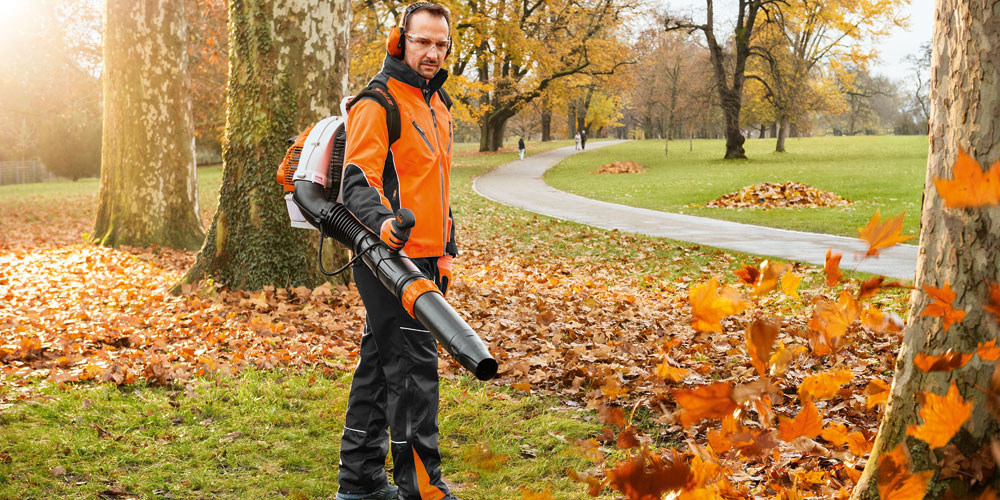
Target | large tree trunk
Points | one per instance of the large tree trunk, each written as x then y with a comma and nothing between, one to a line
782,134
287,69
492,130
546,120
571,119
149,192
960,247
731,113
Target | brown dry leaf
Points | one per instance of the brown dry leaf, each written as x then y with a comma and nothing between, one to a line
895,479
748,274
942,305
970,187
707,401
622,167
832,267
807,423
768,195
647,476
760,337
880,234
482,458
824,385
710,303
943,416
950,360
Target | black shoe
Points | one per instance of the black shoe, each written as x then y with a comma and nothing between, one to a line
390,492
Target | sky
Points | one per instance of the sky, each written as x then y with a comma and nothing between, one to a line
899,43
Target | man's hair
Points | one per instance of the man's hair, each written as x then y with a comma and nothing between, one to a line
434,9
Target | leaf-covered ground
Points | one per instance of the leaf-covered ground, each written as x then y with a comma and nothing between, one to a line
595,318
768,195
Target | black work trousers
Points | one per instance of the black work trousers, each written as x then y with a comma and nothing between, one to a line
396,387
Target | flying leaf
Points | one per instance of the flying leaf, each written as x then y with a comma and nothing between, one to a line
710,303
783,356
807,423
895,479
790,284
637,479
760,337
835,434
942,305
950,360
994,305
748,274
832,319
970,187
943,416
877,391
874,319
880,234
824,385
768,279
707,401
832,267
988,351
858,444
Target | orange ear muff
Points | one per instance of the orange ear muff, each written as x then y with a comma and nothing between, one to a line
394,44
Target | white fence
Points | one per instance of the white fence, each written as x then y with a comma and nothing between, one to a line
23,172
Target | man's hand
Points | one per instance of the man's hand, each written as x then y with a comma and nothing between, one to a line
444,270
396,231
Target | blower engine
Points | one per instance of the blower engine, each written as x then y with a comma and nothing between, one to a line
312,173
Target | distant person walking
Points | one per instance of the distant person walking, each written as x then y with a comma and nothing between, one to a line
520,147
583,139
577,146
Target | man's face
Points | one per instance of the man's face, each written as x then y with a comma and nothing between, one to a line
425,58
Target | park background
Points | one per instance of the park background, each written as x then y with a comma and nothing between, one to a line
165,334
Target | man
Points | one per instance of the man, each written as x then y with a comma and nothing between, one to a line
396,383
520,147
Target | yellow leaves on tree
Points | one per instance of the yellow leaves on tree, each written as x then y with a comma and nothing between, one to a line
970,186
710,303
807,423
880,234
760,337
707,401
895,479
824,385
943,416
942,305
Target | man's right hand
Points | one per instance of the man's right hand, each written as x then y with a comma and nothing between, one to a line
396,231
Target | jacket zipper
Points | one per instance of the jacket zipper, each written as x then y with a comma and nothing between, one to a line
444,208
422,134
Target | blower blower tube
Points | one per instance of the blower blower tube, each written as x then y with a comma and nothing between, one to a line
400,276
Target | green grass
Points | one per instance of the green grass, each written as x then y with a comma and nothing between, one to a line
876,172
266,435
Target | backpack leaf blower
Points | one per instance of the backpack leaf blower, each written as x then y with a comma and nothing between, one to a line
312,171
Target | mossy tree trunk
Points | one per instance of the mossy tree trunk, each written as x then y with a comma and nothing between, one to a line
149,192
287,70
960,247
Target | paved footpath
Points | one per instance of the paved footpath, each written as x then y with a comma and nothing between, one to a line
519,184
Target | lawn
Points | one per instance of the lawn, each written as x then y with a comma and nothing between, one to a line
875,172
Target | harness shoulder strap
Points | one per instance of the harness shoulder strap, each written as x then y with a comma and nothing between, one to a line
379,93
445,98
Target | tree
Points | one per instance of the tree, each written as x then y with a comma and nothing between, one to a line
920,63
149,192
958,247
287,70
730,92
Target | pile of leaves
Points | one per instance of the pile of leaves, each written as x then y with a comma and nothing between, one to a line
622,167
768,195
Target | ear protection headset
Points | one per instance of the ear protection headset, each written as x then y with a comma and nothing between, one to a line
395,44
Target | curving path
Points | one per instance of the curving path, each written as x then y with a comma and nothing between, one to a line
519,184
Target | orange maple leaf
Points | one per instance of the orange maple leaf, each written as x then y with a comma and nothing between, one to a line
943,416
858,444
790,284
880,234
824,385
971,187
950,360
760,337
707,401
807,423
710,303
638,479
835,434
895,479
877,391
832,319
832,267
768,279
545,494
748,274
988,351
994,305
942,305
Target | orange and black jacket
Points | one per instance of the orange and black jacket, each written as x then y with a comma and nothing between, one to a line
413,172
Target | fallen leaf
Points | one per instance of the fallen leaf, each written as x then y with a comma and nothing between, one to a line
880,234
807,423
748,274
710,303
970,186
877,391
942,305
760,337
950,360
707,401
858,444
895,479
545,494
832,267
790,284
835,434
943,416
824,385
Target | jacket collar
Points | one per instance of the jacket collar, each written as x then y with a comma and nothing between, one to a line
398,70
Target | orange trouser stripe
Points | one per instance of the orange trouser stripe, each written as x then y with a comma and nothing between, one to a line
427,490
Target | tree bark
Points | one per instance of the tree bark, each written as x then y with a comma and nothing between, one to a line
546,120
288,69
149,192
782,134
960,247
